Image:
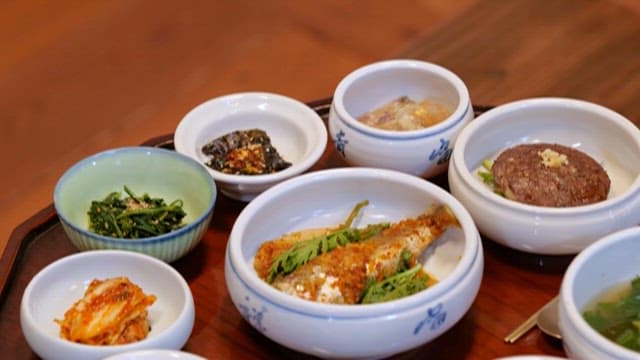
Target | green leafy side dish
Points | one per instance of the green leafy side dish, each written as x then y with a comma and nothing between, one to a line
134,217
619,320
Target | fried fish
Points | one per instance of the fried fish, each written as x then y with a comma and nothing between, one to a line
341,275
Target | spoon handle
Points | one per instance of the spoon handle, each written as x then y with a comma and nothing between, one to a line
523,328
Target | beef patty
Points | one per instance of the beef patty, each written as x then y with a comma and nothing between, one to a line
550,175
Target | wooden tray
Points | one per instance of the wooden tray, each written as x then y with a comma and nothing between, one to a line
514,285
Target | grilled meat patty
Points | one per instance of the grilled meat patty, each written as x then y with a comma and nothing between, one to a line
550,175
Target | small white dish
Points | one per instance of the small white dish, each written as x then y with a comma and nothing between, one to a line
155,355
423,152
606,136
60,284
530,357
324,198
296,131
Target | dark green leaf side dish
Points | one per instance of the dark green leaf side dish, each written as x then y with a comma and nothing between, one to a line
134,217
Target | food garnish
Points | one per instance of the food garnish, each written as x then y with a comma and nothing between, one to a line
487,177
244,152
111,312
134,217
618,319
406,281
551,158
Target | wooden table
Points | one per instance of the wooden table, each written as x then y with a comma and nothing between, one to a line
503,50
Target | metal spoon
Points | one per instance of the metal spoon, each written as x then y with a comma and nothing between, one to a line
546,318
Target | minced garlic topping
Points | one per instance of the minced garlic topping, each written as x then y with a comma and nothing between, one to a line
552,158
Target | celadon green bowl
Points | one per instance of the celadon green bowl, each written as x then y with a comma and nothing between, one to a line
157,172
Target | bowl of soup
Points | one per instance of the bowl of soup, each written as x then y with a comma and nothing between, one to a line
353,263
399,114
598,319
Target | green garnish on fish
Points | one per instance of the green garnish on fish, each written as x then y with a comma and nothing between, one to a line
406,281
134,217
302,252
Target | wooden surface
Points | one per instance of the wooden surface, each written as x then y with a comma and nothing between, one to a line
78,77
81,77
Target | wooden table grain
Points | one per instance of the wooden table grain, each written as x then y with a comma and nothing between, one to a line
504,51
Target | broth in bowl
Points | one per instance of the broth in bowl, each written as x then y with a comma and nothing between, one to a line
616,314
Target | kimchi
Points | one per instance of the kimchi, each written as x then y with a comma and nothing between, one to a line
111,312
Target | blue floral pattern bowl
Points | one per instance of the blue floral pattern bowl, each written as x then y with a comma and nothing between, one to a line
329,330
424,152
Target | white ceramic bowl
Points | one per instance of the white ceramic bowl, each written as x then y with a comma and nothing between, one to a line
605,135
296,131
530,357
155,355
324,198
60,284
158,172
612,261
423,152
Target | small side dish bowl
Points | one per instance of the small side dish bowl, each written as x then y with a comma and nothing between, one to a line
296,131
325,198
608,264
424,152
158,172
60,284
155,355
606,136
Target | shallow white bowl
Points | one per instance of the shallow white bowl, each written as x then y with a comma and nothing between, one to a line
423,152
60,284
295,130
324,198
530,357
155,355
605,135
612,261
